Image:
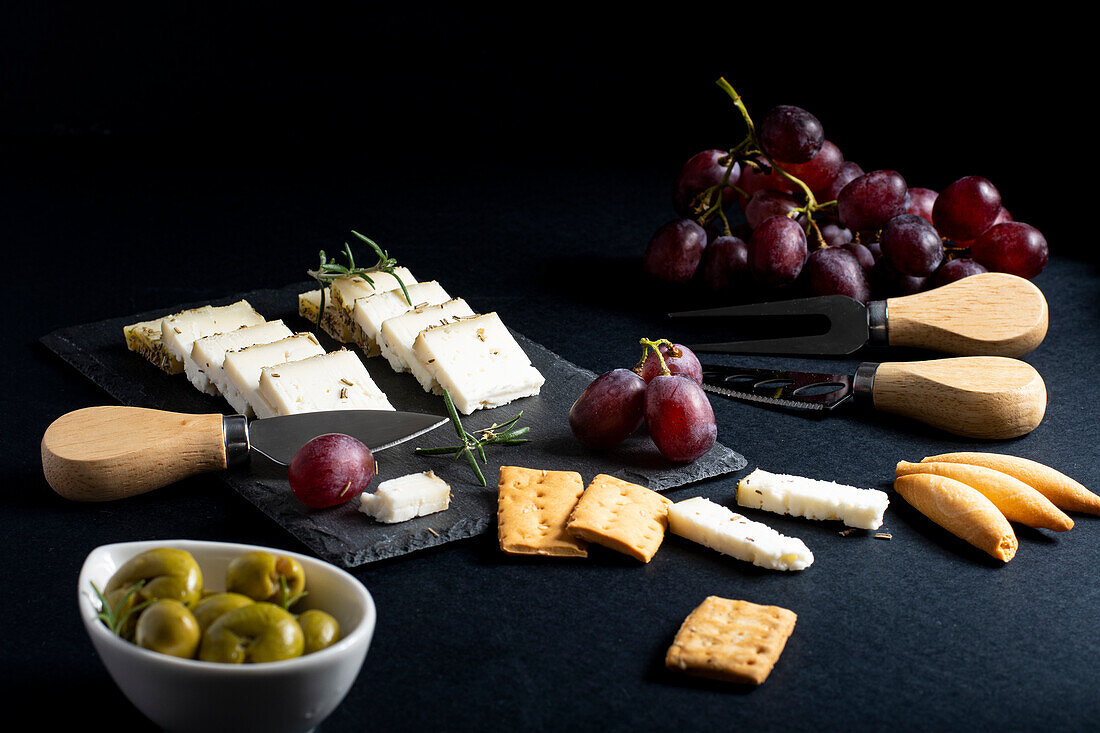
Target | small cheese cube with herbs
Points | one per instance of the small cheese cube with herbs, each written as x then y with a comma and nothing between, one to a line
406,497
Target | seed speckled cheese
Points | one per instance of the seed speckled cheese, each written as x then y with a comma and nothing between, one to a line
400,332
144,338
371,311
334,381
714,526
243,369
346,290
180,331
403,498
331,322
813,499
204,368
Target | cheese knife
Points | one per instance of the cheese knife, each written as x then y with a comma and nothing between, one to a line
988,397
990,314
112,452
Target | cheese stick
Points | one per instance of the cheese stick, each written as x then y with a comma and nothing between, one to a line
961,510
714,526
1063,492
1016,500
804,497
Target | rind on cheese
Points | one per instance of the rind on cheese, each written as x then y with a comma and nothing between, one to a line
205,367
334,381
144,338
714,526
813,499
346,290
243,369
406,497
331,322
399,333
478,361
371,311
180,331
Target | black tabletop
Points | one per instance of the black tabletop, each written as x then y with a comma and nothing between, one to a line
920,631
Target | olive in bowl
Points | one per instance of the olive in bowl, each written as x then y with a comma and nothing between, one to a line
290,695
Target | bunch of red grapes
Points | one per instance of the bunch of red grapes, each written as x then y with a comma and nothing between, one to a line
663,391
818,222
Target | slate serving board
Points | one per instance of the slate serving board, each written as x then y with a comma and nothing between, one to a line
342,535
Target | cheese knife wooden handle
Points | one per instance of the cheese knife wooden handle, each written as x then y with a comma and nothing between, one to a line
991,314
106,453
987,397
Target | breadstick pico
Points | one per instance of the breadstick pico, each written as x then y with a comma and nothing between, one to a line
813,499
961,510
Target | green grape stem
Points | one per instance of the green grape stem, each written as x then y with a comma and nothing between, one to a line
655,346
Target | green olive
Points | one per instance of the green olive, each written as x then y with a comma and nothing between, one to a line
168,573
259,632
213,606
257,575
320,630
168,627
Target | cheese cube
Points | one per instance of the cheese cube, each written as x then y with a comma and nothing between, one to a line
478,362
718,528
333,381
371,311
331,323
243,369
346,290
144,338
401,499
399,333
180,331
803,497
204,368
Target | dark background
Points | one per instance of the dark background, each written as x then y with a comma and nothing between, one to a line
153,155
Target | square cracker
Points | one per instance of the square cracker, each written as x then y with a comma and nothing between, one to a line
622,516
736,641
532,508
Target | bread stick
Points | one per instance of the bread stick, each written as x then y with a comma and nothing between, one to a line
961,510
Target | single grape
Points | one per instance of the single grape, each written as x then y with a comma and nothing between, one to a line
953,270
1012,247
764,178
674,252
687,363
837,271
921,201
725,264
777,251
875,248
820,171
886,281
702,171
913,245
765,204
862,254
835,235
680,418
966,208
791,134
330,470
847,173
609,409
873,199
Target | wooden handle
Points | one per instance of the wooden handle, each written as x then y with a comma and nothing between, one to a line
105,453
991,314
989,397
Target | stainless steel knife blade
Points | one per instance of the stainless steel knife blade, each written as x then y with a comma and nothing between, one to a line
790,389
279,438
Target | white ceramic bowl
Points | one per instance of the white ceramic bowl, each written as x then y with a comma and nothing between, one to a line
275,697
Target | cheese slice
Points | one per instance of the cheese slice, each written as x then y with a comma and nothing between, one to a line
714,526
204,368
478,362
243,369
813,499
144,339
346,290
401,499
371,311
331,323
334,381
398,334
180,331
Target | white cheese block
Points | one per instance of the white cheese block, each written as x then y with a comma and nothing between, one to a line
334,381
144,338
714,526
331,321
401,499
813,499
478,362
399,333
372,311
204,368
180,331
346,290
243,369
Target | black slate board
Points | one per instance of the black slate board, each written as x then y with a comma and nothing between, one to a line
342,535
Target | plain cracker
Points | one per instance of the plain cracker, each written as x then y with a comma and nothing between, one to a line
736,641
622,516
532,508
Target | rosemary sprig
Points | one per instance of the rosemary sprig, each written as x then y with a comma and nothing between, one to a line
111,615
329,270
496,434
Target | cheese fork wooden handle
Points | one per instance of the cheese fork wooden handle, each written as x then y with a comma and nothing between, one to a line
991,314
987,397
105,453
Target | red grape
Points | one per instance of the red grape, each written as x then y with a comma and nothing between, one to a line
953,270
1012,247
966,208
873,199
330,470
886,281
921,201
674,252
609,409
687,363
791,134
764,178
847,173
765,203
702,171
862,254
777,251
913,245
837,271
679,417
725,264
819,171
835,235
